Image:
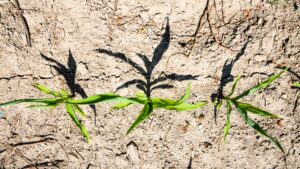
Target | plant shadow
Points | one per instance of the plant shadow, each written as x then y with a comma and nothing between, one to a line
69,74
226,77
148,84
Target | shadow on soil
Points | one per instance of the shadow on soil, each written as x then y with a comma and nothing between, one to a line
226,77
147,85
69,74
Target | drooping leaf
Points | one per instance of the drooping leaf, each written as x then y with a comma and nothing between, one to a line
256,110
234,86
79,111
260,85
227,127
144,114
257,128
71,112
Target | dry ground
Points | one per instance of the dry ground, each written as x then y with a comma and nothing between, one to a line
253,35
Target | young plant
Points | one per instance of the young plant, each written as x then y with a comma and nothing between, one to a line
155,103
245,108
71,104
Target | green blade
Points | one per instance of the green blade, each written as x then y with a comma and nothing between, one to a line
259,86
99,98
79,110
227,127
45,100
219,105
70,110
186,95
296,85
121,105
170,102
43,106
46,90
64,93
257,128
256,110
144,114
234,86
184,106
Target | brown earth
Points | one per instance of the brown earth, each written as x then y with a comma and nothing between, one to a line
248,38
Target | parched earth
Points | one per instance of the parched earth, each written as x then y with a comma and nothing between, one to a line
81,45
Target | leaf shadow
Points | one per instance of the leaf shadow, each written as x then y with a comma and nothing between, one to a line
69,74
226,77
148,84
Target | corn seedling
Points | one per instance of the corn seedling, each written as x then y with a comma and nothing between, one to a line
71,104
155,103
245,108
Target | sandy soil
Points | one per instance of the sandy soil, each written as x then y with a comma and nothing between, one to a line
248,38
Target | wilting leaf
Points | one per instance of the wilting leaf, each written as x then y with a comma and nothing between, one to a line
233,86
257,128
72,114
256,110
144,114
259,86
227,127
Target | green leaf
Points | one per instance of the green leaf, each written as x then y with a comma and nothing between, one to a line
121,105
219,105
256,110
184,106
259,86
186,95
70,110
43,106
64,93
44,89
257,128
296,85
144,114
45,100
99,98
234,86
227,127
79,110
